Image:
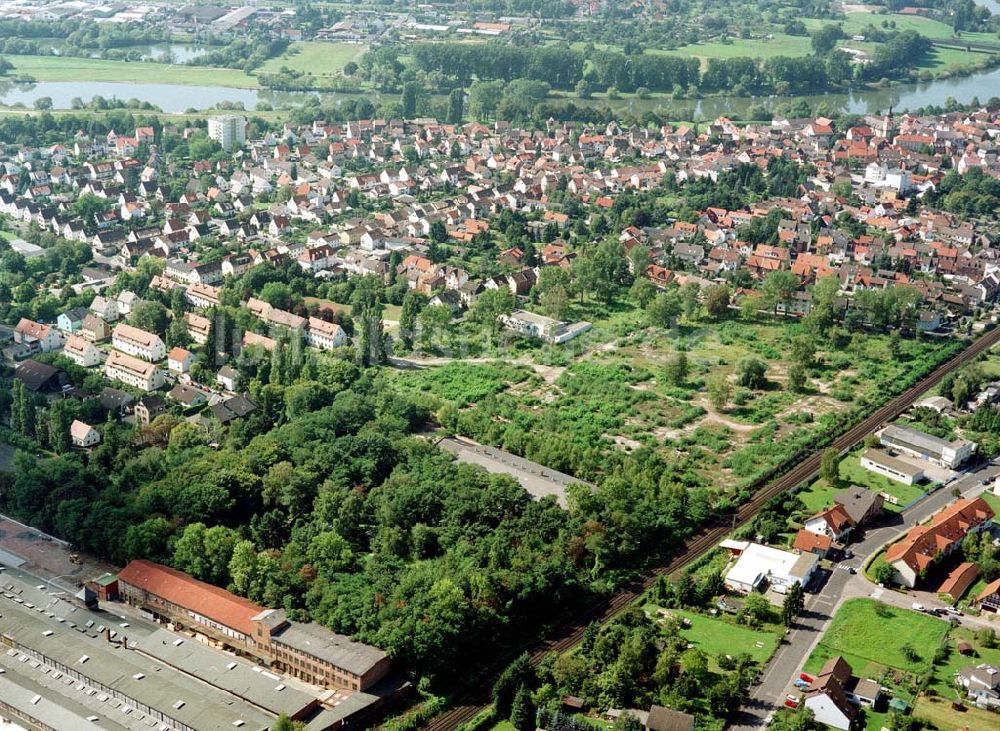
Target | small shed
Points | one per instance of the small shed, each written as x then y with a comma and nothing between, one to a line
572,704
964,648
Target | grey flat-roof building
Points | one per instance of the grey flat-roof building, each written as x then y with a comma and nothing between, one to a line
917,443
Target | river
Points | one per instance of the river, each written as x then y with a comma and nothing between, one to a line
177,98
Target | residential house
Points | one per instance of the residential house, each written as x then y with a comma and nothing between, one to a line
138,342
198,327
148,408
862,505
38,338
104,308
133,372
233,408
228,378
82,352
187,396
179,360
941,536
325,335
71,320
833,522
83,435
988,600
95,329
981,683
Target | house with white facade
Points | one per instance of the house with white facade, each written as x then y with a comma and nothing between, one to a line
133,372
82,352
83,435
139,343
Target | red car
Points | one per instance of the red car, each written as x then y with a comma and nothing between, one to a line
805,677
792,701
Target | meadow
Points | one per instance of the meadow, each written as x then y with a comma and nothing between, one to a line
56,68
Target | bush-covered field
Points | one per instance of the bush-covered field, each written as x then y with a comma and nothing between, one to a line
615,398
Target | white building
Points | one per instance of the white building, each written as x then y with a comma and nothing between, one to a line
83,435
947,454
82,352
544,328
137,342
325,335
35,335
180,360
760,565
878,175
229,130
133,372
877,461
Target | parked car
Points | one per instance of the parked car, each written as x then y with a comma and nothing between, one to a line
792,701
917,607
806,677
954,612
800,683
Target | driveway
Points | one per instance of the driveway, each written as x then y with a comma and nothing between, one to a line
776,680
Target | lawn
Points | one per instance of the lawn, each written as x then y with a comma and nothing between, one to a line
780,44
856,22
717,637
8,235
55,68
315,57
820,493
871,641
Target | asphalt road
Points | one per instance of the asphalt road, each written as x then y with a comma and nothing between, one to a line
776,679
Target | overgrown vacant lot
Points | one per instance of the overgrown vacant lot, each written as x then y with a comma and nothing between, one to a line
874,637
600,399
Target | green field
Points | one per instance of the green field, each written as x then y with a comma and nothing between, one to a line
933,29
55,68
872,643
315,57
780,44
820,494
717,637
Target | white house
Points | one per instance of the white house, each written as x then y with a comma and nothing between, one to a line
104,308
83,435
180,360
133,372
138,342
82,352
325,335
37,336
981,683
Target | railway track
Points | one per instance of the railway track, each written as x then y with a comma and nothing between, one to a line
474,697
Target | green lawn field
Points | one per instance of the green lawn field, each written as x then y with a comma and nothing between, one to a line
55,68
781,44
315,57
865,640
716,636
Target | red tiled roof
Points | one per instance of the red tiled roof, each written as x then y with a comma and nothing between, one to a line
178,588
808,541
949,526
